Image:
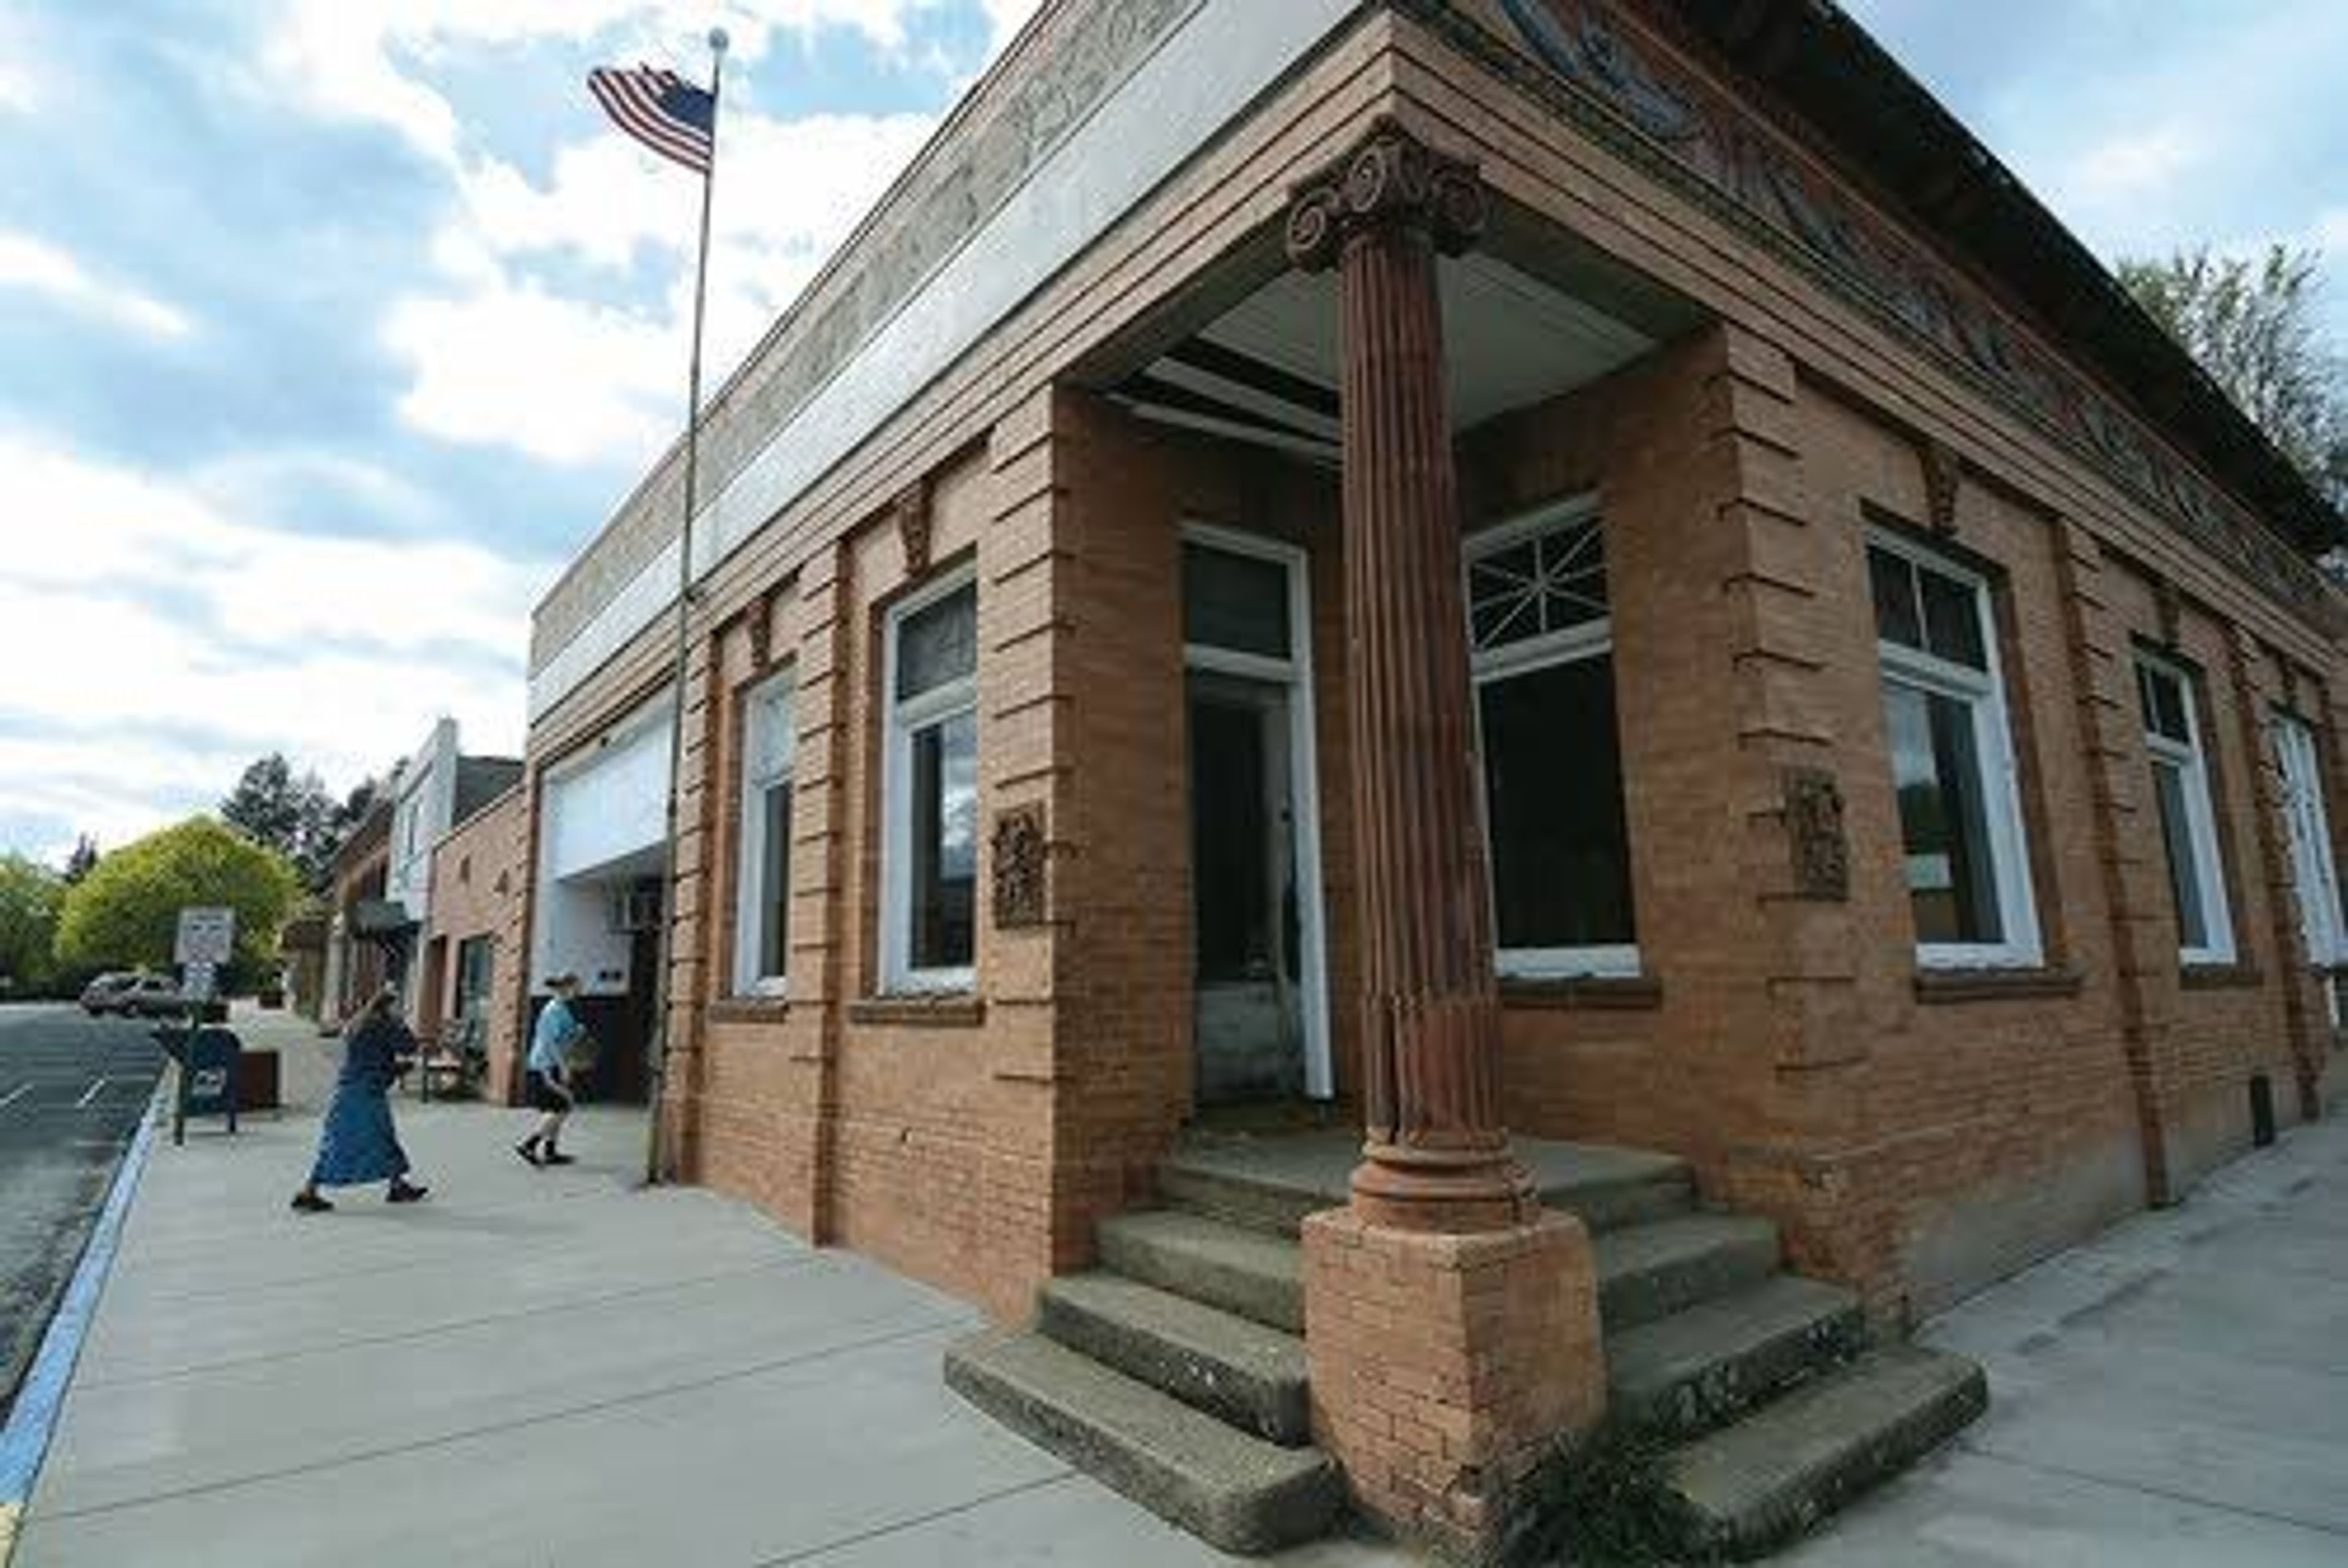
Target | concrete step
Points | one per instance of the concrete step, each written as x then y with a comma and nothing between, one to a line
1695,1370
1237,1493
1229,1366
1652,1270
1751,1487
1249,1272
1271,1181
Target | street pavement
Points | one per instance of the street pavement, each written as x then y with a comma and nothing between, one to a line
2174,1395
71,1091
554,1368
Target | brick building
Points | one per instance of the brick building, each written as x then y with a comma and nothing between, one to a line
472,970
1548,570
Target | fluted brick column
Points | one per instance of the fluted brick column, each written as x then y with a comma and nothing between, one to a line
1436,1156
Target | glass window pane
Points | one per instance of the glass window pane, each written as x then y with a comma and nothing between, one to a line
1936,769
938,644
1504,596
2164,701
771,740
2184,875
1554,787
1234,601
1574,576
1953,623
774,908
944,843
1893,582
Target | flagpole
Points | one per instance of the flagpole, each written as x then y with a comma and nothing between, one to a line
661,989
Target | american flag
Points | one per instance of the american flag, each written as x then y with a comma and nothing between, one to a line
661,109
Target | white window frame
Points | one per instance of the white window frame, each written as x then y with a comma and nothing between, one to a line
774,700
1589,640
2190,758
1295,673
903,721
1984,693
2315,876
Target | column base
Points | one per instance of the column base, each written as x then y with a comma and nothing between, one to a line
1416,1187
1446,1366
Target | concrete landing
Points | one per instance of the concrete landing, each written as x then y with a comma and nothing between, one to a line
1273,1179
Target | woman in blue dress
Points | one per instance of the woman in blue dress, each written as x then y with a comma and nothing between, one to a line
358,1143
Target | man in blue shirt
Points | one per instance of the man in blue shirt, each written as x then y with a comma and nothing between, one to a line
549,1063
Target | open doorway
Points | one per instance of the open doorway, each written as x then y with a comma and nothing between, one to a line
1260,1009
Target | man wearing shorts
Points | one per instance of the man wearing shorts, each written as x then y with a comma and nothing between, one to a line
550,1072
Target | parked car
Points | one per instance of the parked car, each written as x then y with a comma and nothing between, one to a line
132,996
98,996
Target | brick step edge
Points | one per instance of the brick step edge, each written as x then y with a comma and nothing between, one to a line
1647,1272
1238,1493
1749,1488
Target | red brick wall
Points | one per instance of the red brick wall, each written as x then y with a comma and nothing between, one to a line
480,872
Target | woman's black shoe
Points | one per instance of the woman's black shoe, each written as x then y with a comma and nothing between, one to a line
554,1157
528,1150
311,1204
404,1193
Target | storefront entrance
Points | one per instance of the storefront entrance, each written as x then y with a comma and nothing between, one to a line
1259,1017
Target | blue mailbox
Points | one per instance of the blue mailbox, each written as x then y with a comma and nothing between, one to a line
208,1073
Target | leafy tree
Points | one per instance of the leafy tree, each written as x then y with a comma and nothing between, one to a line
84,857
2251,324
291,814
127,911
29,895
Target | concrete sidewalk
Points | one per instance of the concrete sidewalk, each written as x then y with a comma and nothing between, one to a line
531,1368
549,1368
2172,1395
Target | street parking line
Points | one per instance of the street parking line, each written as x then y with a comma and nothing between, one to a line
14,1095
89,1094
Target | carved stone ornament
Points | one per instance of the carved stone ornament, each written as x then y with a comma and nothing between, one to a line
1814,834
1019,866
1944,476
1392,178
911,510
762,632
2169,608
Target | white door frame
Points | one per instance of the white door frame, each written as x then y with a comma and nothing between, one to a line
1295,674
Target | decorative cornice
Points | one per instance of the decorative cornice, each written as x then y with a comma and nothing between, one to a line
1390,181
1631,97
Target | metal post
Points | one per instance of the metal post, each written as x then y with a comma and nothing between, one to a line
661,986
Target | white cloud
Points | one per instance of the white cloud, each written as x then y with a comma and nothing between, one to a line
2133,165
498,356
155,644
37,265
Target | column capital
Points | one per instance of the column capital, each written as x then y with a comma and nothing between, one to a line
1390,180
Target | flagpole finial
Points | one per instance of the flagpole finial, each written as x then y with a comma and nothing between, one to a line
718,40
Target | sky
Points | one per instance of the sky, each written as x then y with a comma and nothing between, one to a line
329,329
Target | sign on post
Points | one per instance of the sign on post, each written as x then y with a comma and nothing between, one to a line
207,935
207,938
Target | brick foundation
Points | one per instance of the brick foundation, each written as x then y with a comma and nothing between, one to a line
1445,1367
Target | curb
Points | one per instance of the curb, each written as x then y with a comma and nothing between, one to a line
25,1441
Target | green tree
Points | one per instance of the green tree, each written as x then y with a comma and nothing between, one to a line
292,813
2252,324
29,895
84,857
127,911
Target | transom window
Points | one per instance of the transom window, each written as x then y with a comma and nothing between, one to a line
762,909
1953,761
1541,651
930,807
2188,827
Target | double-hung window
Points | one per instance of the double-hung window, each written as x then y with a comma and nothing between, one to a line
1952,761
2313,873
2188,825
762,911
930,811
1541,646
